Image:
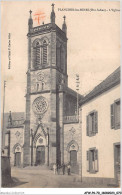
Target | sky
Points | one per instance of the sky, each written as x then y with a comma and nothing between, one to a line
93,49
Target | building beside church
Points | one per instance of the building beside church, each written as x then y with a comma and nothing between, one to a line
53,130
100,116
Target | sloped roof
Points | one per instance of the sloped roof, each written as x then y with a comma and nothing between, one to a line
15,116
111,81
18,115
71,92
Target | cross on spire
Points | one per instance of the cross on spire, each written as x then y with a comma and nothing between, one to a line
64,27
64,18
52,17
52,6
30,21
30,12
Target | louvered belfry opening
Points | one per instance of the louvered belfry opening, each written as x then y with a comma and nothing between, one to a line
36,56
40,55
44,53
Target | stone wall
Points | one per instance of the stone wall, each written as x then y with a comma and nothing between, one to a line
72,141
16,144
5,171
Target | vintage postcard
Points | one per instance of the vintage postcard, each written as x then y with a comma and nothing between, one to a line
60,95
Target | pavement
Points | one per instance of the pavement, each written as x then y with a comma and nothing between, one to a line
41,177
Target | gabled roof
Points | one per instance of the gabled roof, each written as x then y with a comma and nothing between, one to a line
111,81
16,116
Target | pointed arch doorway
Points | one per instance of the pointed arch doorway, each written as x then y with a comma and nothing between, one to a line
40,151
17,150
17,159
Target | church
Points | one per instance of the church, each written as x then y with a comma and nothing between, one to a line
60,125
46,134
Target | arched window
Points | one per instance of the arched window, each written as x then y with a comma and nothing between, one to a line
44,52
62,63
58,56
37,86
42,85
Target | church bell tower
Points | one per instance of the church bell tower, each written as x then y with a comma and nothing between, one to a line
46,81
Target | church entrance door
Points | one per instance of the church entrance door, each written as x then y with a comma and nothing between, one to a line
40,155
73,157
73,161
18,159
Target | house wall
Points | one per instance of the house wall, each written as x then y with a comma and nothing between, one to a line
105,138
5,171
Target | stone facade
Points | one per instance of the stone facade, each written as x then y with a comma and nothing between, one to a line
51,107
14,139
47,94
72,146
16,145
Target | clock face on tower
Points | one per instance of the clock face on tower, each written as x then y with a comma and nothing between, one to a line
39,105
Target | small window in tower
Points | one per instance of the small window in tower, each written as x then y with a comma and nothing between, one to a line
42,85
44,53
37,86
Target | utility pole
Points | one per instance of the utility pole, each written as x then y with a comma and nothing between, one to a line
3,114
80,127
79,115
77,89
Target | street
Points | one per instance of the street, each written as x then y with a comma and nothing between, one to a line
41,177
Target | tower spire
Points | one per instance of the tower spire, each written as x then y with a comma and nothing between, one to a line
30,21
52,17
64,27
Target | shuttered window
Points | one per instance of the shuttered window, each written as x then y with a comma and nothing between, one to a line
92,123
92,160
87,160
115,115
112,116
